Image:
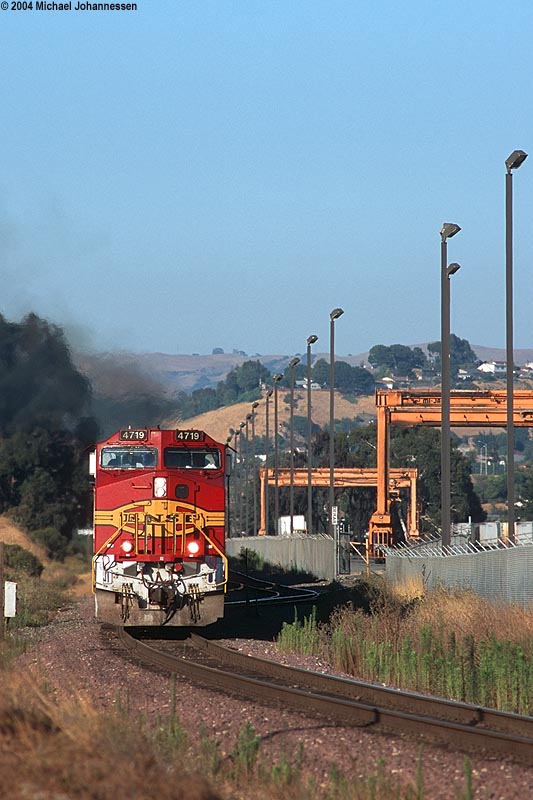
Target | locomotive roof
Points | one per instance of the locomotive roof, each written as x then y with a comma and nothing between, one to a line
187,437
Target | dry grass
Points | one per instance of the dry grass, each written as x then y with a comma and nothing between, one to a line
12,534
67,750
52,750
217,423
466,614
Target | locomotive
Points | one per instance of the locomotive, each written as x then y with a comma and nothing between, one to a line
159,527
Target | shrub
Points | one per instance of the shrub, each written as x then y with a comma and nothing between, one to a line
56,545
17,559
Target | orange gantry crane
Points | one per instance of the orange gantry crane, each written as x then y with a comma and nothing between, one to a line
423,407
397,479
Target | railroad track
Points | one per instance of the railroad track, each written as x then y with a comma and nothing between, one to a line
346,702
261,592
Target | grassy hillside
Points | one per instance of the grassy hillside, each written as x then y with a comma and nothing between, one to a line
218,422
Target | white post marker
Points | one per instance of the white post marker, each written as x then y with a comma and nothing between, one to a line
10,599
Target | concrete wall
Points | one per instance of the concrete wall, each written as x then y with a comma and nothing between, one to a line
313,554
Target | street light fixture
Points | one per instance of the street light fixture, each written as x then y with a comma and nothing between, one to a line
276,379
516,158
448,230
292,363
310,340
333,528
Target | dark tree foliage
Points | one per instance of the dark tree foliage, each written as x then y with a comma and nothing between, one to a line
320,372
44,433
420,448
355,448
18,560
348,379
461,354
241,383
398,359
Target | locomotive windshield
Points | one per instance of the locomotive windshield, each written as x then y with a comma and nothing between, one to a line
128,457
197,458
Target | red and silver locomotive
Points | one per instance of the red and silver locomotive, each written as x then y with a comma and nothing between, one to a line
159,528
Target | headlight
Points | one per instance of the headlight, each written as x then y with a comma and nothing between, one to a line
160,487
127,547
193,548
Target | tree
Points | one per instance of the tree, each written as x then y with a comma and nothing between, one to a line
461,354
353,449
320,372
250,375
380,357
420,448
348,379
44,432
398,359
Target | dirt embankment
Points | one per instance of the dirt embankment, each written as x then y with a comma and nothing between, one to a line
11,534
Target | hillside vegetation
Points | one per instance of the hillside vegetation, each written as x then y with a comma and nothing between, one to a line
218,422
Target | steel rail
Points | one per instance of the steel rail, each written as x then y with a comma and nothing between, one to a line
275,593
371,693
348,708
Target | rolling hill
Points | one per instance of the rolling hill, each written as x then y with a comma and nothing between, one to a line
218,422
120,373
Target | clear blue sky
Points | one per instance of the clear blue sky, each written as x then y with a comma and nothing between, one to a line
224,173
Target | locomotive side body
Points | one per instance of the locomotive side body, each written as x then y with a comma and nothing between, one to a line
159,528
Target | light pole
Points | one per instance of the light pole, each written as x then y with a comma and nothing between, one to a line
276,380
241,483
310,340
333,529
448,230
267,449
228,492
484,458
516,158
254,471
292,363
246,471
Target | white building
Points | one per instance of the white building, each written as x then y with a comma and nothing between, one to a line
493,367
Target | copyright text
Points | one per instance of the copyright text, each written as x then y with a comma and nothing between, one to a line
72,5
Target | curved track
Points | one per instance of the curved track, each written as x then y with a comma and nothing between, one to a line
245,589
346,702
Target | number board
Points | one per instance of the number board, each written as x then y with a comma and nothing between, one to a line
190,436
133,435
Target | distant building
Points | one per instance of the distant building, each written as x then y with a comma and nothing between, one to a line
424,374
386,383
464,375
303,385
493,367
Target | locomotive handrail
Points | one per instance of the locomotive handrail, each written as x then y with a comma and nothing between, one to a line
105,545
222,556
